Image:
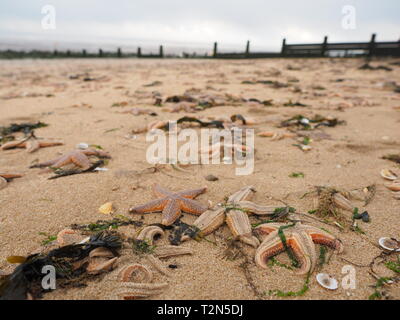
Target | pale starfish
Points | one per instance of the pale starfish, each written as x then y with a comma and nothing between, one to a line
31,144
299,238
5,177
172,203
80,158
234,212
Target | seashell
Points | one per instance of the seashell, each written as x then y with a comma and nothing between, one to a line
171,251
326,281
396,195
150,233
137,273
343,202
106,208
82,146
389,244
388,174
394,186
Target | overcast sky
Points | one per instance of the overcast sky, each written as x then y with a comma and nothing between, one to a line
200,22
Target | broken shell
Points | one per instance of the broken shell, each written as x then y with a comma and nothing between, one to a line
388,174
106,208
342,202
171,251
389,244
396,195
137,273
150,233
326,281
394,186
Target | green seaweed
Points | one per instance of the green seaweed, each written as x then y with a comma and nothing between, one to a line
301,292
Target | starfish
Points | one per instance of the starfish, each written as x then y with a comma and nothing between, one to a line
172,203
31,144
79,158
234,212
5,177
299,238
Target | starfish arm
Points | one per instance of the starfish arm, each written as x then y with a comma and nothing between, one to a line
45,143
251,207
322,237
80,160
240,195
32,145
171,212
160,191
271,246
304,250
10,175
152,206
265,229
190,194
96,152
192,206
47,163
13,144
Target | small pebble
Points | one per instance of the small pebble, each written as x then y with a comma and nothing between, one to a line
211,177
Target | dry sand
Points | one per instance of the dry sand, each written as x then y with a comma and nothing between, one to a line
350,159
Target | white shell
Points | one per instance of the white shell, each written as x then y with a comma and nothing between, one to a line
82,146
326,281
384,246
389,174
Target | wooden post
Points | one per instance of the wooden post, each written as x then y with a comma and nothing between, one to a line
323,49
247,48
119,53
139,52
215,51
84,53
161,54
68,53
283,50
372,45
100,53
55,52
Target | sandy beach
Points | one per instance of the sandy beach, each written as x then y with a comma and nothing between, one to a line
83,100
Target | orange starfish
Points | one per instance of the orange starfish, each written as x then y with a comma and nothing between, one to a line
5,177
79,158
300,238
31,144
172,203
